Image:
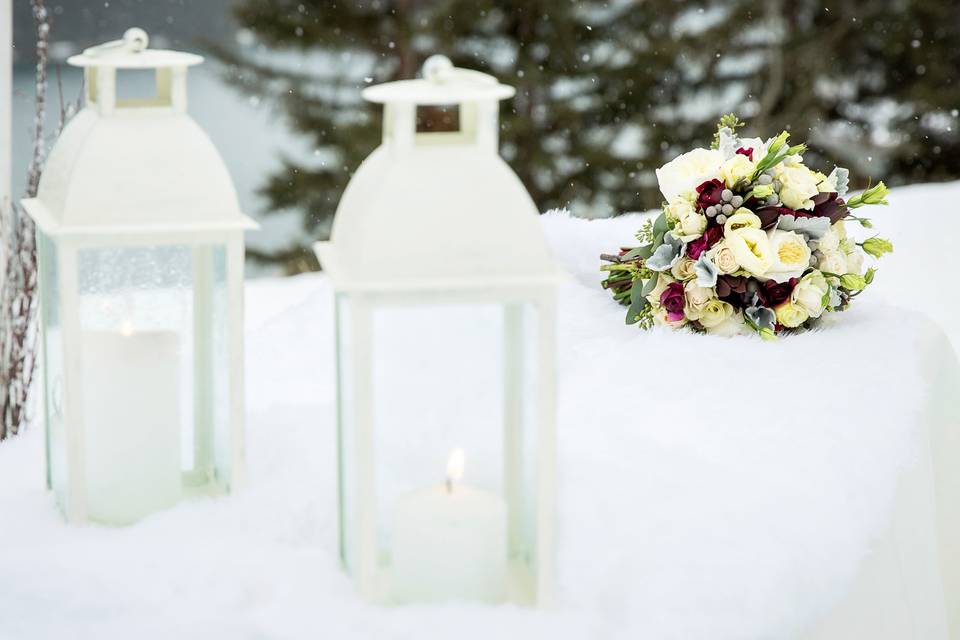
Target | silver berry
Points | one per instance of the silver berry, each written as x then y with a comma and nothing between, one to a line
737,201
711,211
814,260
777,185
764,179
721,219
773,200
726,195
727,209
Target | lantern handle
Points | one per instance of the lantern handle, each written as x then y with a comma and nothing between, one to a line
440,70
134,40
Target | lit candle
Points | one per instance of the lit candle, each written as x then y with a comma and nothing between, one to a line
131,414
449,542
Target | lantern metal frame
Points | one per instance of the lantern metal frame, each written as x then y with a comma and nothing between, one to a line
91,196
488,275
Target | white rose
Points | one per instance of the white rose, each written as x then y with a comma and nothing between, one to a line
690,225
751,248
829,241
791,255
841,229
685,173
663,281
791,315
798,185
684,269
723,258
737,168
715,313
697,298
833,262
854,262
809,293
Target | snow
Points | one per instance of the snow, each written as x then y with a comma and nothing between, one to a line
709,487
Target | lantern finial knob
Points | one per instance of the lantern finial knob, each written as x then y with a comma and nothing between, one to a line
134,40
437,68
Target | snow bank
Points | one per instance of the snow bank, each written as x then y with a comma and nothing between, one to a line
709,488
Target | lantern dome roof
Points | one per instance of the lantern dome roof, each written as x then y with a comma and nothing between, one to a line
135,166
442,218
437,211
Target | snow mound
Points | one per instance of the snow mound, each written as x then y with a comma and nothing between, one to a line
709,488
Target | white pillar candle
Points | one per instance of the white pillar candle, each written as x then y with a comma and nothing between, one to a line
131,410
449,543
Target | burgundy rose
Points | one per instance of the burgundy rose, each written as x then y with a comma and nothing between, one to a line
709,193
672,300
708,239
744,151
770,215
774,293
828,205
732,289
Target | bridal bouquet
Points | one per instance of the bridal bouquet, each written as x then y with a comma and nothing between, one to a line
749,239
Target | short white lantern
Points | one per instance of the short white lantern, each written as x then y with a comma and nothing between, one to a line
141,252
445,308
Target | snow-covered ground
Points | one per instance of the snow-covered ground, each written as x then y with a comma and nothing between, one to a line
709,488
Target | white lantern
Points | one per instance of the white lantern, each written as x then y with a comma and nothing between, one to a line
436,247
141,252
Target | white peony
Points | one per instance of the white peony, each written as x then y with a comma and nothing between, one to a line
751,248
791,255
685,173
737,168
809,293
798,185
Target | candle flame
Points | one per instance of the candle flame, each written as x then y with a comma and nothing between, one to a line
126,328
455,466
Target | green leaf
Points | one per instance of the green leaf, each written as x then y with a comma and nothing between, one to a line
868,276
649,286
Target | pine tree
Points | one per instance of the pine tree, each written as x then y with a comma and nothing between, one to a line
608,91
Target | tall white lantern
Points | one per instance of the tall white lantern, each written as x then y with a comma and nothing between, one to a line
141,253
445,309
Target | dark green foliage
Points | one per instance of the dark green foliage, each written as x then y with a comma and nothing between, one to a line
608,91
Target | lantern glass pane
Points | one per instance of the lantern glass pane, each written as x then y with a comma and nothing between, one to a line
152,352
449,392
52,332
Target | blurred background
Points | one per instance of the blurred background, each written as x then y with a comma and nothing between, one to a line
606,91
